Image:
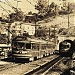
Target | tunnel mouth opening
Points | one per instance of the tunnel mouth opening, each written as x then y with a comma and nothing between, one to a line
66,48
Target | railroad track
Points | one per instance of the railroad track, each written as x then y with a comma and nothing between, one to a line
21,69
42,70
7,66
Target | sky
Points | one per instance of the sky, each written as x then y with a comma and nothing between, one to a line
23,4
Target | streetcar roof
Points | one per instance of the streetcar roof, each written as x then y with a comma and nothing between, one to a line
23,41
33,41
26,42
37,40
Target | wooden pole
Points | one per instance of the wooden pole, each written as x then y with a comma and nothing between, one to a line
68,15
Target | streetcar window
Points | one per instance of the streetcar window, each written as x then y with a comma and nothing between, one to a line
28,46
43,47
35,46
20,45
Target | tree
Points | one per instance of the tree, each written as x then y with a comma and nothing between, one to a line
41,32
52,5
17,16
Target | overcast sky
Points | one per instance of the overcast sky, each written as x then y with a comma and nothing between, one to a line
23,4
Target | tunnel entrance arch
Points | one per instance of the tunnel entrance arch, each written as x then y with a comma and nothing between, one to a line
66,46
63,38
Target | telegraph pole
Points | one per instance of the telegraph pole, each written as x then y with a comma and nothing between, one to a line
8,33
35,29
17,3
49,34
48,5
68,15
35,21
48,2
54,33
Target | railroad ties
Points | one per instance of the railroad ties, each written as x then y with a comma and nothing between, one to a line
28,67
43,69
54,67
44,66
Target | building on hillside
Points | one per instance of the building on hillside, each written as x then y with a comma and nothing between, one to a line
62,4
16,28
29,28
20,28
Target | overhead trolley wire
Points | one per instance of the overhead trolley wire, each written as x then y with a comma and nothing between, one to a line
30,3
5,4
2,2
9,4
4,9
35,1
14,8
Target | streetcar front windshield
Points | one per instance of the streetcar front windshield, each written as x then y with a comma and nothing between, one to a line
24,46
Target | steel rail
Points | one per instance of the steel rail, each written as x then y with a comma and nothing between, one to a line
42,69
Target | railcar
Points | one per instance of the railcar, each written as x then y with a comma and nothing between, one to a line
66,48
31,49
4,50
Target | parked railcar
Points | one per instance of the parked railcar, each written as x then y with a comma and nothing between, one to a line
31,49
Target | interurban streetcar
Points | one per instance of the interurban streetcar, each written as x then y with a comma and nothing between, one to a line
31,49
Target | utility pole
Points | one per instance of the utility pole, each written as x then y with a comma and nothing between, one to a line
35,25
48,5
9,33
17,3
55,33
35,30
68,15
48,2
49,34
68,21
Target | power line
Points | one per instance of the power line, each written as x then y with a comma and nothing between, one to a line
9,4
31,3
2,2
14,8
5,4
4,9
35,1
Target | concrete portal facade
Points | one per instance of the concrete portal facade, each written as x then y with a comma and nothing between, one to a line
62,38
